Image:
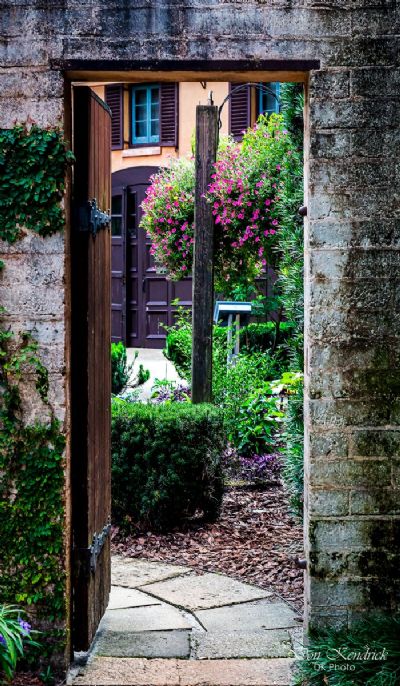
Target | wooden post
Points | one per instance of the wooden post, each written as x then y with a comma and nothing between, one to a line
203,282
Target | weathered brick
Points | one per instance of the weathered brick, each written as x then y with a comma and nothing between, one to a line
328,444
350,473
375,501
328,503
330,144
330,84
372,443
333,233
375,82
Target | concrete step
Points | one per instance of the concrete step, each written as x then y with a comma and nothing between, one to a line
110,671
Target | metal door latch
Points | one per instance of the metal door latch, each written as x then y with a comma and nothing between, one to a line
87,557
91,218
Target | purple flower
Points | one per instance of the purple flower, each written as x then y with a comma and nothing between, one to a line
25,627
2,640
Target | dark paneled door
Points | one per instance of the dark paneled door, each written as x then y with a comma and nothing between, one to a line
90,368
140,294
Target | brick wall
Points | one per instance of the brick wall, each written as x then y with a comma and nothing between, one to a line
352,403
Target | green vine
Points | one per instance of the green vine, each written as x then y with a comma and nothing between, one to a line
31,487
33,162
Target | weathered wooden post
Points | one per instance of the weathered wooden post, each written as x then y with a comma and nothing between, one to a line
203,282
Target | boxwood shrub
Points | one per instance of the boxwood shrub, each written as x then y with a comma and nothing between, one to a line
166,463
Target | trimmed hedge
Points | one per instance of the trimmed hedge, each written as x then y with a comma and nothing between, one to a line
166,463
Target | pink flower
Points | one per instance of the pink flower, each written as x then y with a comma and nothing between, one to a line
268,202
278,166
218,219
274,222
184,267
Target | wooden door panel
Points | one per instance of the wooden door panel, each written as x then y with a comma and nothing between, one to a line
90,370
118,266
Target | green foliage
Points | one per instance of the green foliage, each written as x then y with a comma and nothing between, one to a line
15,634
31,487
290,385
290,290
166,462
265,336
368,654
122,371
178,343
33,164
252,414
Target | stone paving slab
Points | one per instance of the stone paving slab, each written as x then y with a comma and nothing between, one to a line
129,597
108,671
205,591
134,573
248,617
240,644
153,618
145,644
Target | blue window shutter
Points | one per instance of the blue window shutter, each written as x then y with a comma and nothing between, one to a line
114,100
169,114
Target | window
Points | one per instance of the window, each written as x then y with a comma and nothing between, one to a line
268,103
116,215
145,114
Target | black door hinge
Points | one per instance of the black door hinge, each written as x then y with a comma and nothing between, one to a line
91,219
86,558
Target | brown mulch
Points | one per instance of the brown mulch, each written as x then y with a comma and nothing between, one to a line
26,679
255,540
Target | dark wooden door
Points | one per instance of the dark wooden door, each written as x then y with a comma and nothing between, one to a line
90,368
149,295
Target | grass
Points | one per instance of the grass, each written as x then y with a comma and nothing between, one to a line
368,654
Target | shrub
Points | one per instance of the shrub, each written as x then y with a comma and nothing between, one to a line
15,634
291,385
165,391
166,462
121,371
368,654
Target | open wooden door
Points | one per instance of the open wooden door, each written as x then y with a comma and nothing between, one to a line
90,364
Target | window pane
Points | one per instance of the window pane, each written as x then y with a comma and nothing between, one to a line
140,129
268,102
131,207
116,204
141,97
155,95
155,127
155,111
116,226
140,112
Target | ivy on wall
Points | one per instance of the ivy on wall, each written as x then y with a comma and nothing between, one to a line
33,164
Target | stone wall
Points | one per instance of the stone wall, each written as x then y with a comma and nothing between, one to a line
352,402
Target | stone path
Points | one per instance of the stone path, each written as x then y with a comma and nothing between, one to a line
158,366
168,626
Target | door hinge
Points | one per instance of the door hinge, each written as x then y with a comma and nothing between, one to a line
91,219
86,558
